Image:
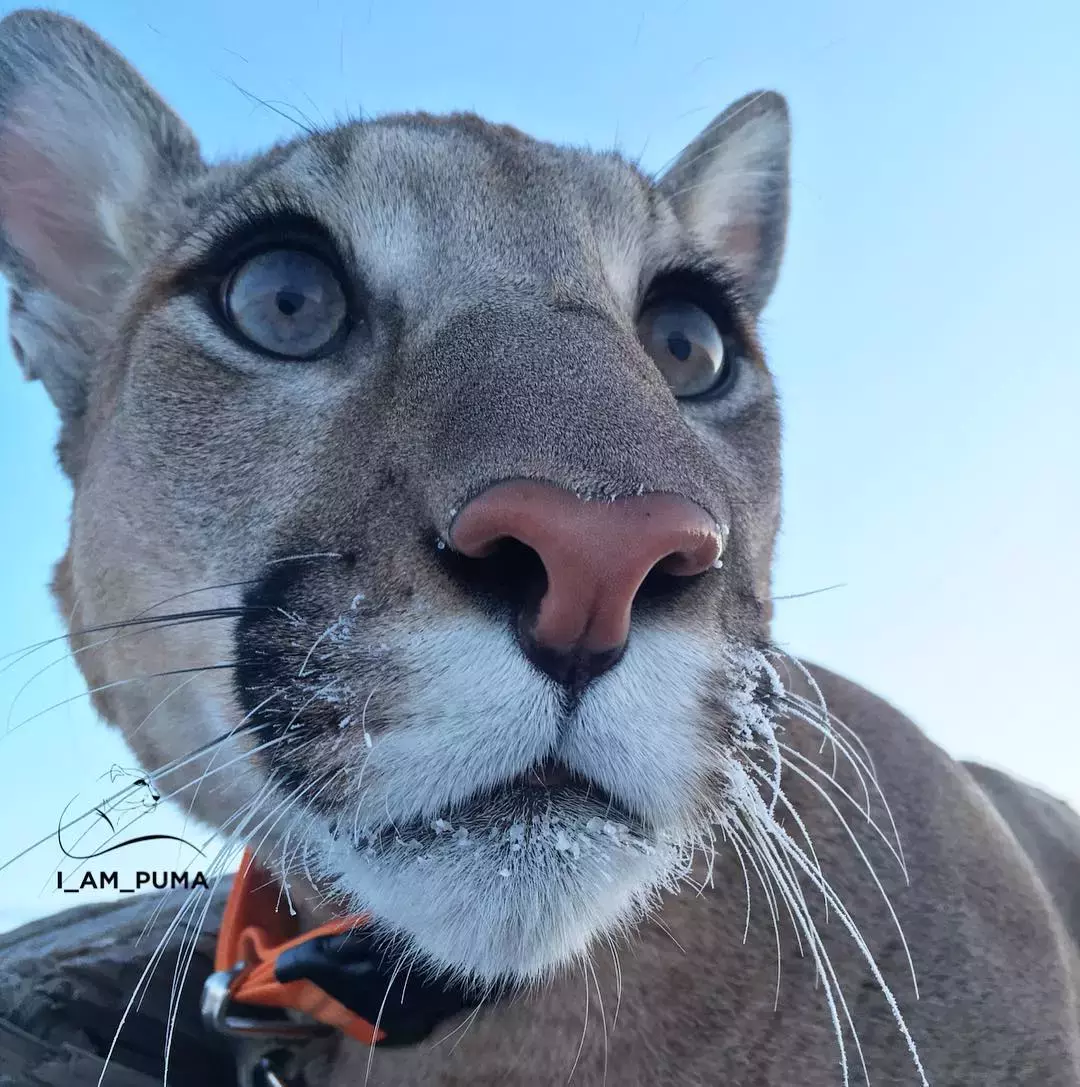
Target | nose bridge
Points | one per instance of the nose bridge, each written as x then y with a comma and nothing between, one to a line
535,392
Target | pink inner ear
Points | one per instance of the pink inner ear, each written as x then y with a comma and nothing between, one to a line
742,246
48,213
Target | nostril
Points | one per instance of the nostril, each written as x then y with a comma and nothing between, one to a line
662,584
508,575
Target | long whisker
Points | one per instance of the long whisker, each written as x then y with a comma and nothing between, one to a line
210,765
223,665
748,817
791,752
217,869
123,828
827,720
866,863
811,592
780,839
746,881
816,688
119,635
178,618
142,981
378,1018
239,817
162,772
741,838
803,713
617,968
603,1015
184,958
860,767
777,794
186,593
293,799
143,616
330,776
463,1028
792,893
770,898
584,1028
157,706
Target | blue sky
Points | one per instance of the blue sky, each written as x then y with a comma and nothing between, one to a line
923,333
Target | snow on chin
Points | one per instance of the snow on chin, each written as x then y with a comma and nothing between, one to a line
522,839
515,898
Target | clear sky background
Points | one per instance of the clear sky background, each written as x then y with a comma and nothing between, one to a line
924,332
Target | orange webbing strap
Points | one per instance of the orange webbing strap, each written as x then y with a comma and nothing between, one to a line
255,930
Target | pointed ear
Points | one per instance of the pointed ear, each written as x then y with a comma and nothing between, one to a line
730,187
86,148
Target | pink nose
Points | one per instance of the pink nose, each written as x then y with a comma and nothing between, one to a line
596,554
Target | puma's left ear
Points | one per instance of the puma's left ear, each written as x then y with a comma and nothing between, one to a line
88,153
730,187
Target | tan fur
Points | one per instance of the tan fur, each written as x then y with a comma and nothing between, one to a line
361,679
696,1002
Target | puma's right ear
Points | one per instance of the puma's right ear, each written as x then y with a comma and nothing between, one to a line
86,147
729,188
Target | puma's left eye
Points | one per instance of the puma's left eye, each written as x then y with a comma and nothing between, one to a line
287,302
684,342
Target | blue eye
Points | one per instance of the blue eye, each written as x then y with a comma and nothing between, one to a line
687,347
287,302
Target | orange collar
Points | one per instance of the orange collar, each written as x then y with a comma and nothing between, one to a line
255,932
335,974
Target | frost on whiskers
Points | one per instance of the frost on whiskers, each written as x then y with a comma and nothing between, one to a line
324,666
506,865
746,817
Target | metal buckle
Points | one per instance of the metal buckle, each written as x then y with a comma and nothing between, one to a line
268,1073
217,1000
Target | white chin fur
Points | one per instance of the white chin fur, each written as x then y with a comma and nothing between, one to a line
500,893
514,901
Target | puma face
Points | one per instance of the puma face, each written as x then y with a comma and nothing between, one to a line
426,479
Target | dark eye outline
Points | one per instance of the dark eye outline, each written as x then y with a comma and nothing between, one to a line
265,235
701,290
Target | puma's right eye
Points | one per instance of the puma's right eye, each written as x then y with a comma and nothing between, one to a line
286,302
687,347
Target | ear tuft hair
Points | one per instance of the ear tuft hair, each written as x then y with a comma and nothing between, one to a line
730,189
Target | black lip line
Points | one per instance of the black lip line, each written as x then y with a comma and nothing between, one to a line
526,782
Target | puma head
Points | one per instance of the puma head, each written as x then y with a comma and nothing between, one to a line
426,478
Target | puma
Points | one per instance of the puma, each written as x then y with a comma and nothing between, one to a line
426,478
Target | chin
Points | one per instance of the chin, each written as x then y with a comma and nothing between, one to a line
512,885
497,834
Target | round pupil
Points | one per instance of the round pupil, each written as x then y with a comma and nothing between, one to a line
289,301
679,346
